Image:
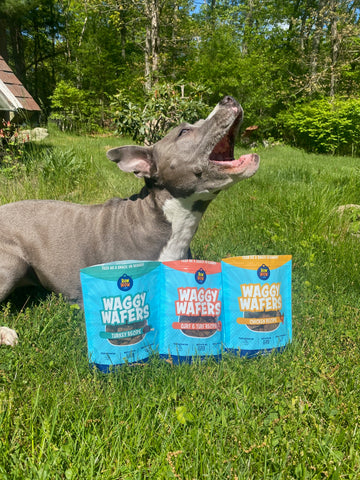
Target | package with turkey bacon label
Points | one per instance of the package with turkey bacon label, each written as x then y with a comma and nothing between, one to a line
191,307
121,301
257,303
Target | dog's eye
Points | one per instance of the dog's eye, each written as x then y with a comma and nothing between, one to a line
184,131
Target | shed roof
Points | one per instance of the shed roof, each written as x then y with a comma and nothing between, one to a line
13,95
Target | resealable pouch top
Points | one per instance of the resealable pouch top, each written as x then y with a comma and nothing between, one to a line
121,302
257,303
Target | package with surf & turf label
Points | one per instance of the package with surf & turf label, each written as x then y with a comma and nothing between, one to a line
191,308
257,303
121,302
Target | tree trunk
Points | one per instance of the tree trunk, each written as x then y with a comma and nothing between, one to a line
174,33
315,50
335,46
18,51
123,41
152,42
148,79
248,26
3,40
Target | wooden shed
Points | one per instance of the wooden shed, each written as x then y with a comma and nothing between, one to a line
15,101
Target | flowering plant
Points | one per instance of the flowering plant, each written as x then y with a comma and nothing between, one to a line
11,148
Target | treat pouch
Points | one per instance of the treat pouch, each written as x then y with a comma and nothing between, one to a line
257,303
121,301
191,307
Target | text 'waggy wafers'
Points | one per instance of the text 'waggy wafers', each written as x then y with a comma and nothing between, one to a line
187,308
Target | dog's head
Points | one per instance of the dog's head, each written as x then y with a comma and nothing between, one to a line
195,158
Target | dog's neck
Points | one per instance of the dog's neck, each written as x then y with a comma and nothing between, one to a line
165,223
184,215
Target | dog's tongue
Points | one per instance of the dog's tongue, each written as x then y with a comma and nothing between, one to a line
245,165
231,162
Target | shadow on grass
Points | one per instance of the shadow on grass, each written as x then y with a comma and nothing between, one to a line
26,297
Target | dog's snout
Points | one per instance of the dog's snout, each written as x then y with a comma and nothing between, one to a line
229,101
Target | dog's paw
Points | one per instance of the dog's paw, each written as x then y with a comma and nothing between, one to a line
8,336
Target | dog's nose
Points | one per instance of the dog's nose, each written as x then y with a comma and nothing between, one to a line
230,101
231,104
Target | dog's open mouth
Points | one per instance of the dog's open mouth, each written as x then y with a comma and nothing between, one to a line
222,154
224,149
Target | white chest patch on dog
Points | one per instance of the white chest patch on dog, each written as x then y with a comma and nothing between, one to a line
184,222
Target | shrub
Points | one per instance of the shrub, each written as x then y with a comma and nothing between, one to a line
323,126
163,108
76,110
11,148
62,165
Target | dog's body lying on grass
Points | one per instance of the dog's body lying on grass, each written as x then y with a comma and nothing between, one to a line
47,242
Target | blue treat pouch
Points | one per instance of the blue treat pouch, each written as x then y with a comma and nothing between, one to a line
257,303
121,301
190,309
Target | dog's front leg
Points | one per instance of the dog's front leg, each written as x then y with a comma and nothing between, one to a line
13,269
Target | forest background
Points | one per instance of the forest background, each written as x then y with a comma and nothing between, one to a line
97,64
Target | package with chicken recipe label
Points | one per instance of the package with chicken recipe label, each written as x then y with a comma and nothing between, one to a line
257,303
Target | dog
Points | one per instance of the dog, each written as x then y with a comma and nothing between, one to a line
47,242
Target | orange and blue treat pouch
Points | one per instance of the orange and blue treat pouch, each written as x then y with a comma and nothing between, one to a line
191,308
257,303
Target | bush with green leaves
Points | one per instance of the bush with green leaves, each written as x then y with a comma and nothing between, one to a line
163,108
76,110
323,126
11,148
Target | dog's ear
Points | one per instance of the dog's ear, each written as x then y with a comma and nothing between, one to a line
134,159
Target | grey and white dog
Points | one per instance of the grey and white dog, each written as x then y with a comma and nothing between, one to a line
46,242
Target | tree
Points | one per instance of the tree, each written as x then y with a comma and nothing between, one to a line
154,27
238,53
28,41
322,35
268,54
152,42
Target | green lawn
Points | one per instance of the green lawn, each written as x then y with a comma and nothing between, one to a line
293,415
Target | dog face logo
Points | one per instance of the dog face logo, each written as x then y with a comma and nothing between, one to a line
125,283
263,272
200,276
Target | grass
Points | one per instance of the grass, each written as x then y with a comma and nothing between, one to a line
293,415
